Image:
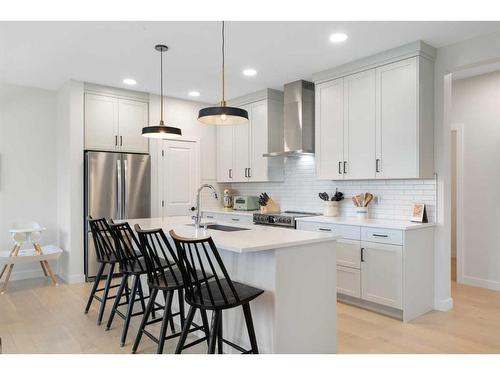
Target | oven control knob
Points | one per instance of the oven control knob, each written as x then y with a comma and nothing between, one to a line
271,219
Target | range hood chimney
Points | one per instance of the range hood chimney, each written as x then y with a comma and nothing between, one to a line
298,111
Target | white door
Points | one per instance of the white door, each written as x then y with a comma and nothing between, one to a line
101,122
241,151
259,141
330,130
397,136
179,177
382,274
359,125
349,281
132,117
224,153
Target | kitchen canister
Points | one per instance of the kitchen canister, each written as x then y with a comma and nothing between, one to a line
362,213
331,209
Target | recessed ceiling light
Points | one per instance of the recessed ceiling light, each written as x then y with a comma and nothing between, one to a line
250,72
129,81
338,37
194,93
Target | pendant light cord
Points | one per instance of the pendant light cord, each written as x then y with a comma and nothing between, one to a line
223,103
161,87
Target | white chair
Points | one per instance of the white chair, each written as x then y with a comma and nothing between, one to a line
28,232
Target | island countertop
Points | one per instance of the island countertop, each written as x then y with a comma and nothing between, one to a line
256,238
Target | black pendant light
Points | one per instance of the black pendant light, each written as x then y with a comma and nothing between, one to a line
223,115
161,131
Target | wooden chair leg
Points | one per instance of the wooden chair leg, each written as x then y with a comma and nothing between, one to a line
214,330
13,253
94,287
43,269
250,328
130,309
167,314
118,298
219,337
106,293
47,268
149,310
3,271
185,329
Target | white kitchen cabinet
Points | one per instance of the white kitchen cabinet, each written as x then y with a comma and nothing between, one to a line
225,153
349,281
359,126
132,117
229,217
101,122
349,253
374,117
382,274
240,148
114,123
329,103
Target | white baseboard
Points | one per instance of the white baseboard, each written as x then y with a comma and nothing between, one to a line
444,304
481,283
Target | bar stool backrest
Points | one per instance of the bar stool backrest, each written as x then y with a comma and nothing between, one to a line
127,247
159,256
200,257
103,241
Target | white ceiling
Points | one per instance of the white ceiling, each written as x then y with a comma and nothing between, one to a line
45,54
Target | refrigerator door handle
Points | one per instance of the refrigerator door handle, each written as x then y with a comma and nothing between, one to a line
125,187
119,189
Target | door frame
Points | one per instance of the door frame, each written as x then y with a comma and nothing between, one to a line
458,129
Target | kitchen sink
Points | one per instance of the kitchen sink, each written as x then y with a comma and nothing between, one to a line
224,228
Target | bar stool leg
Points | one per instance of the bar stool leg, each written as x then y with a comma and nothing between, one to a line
105,294
250,328
206,327
180,294
219,336
141,296
214,329
94,287
166,318
185,329
130,309
117,301
149,309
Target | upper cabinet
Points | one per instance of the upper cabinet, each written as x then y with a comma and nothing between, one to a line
377,123
240,148
114,123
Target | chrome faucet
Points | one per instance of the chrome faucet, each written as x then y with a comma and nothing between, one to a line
198,216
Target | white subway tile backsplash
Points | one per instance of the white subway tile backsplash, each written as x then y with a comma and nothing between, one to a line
394,199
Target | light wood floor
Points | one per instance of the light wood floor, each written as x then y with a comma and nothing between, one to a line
35,317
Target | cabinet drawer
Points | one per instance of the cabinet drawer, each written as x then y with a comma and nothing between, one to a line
349,253
389,236
346,231
237,219
349,281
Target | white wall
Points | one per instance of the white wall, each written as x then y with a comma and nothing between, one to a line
28,174
451,58
476,105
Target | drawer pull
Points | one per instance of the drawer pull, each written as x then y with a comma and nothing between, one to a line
233,219
209,217
362,254
325,229
380,235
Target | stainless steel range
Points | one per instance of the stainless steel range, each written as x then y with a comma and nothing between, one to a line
283,219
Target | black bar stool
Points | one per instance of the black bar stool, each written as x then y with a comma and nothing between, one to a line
132,265
106,256
217,293
165,276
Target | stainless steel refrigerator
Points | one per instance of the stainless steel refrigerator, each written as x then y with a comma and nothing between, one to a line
117,186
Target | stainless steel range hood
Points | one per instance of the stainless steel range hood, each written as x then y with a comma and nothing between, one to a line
298,111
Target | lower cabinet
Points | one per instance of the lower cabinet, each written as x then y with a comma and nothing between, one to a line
348,281
382,274
228,217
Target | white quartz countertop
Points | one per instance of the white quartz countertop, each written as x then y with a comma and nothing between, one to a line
231,212
375,223
257,238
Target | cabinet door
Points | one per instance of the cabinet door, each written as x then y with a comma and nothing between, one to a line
224,153
348,253
382,274
330,130
132,117
101,122
258,141
397,131
348,281
359,125
241,160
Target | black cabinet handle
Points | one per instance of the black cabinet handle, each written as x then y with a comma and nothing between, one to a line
377,165
340,167
116,140
249,174
345,163
209,217
380,235
325,229
362,254
230,171
121,140
234,219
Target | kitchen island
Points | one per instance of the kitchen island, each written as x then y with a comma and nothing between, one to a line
296,269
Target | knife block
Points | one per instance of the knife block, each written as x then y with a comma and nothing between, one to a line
270,208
